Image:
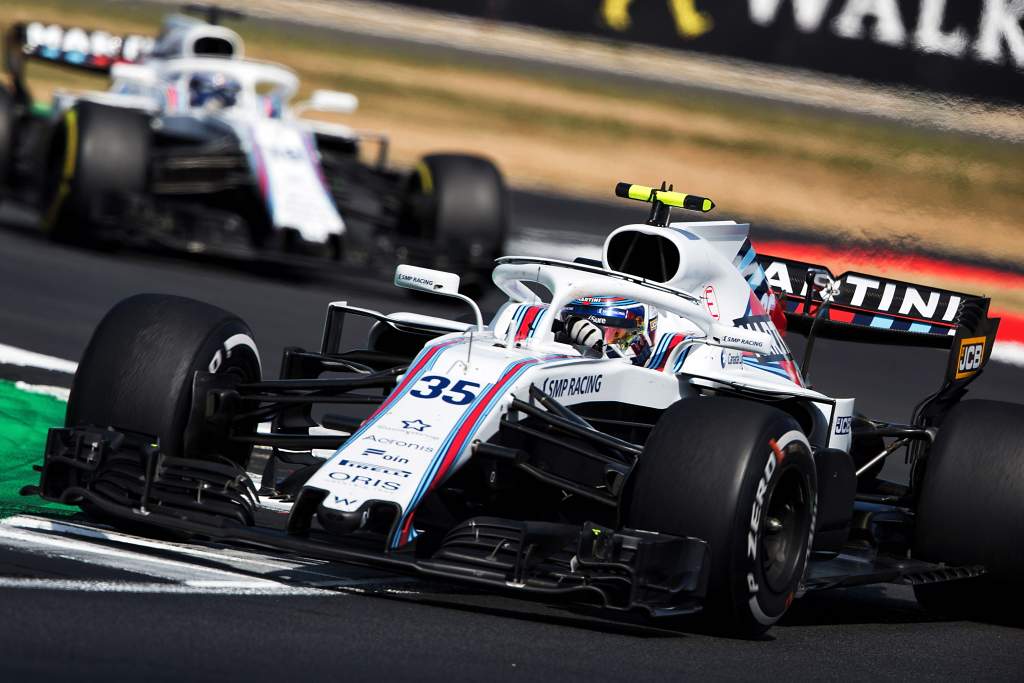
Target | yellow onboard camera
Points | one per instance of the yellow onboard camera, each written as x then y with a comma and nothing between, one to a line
662,199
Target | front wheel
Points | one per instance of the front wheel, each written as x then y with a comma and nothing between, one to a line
740,476
137,371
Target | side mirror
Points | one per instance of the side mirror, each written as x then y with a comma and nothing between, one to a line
333,101
435,282
426,280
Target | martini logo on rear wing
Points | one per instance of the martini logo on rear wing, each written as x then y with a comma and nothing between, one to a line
880,310
866,301
90,49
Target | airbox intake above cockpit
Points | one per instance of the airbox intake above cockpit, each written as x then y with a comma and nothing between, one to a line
683,255
652,256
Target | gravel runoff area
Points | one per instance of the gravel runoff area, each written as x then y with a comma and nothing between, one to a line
675,67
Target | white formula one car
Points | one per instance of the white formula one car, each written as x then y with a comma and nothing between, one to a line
196,148
632,432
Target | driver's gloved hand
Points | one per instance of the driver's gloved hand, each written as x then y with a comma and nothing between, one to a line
582,332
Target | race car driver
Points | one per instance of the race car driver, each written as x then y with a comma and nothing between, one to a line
611,326
213,91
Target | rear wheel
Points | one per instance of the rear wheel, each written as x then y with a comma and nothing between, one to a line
138,369
740,476
971,510
97,156
457,204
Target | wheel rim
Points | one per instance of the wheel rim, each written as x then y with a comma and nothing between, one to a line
239,368
786,522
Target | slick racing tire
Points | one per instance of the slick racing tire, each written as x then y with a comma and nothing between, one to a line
740,476
7,121
458,204
138,369
98,155
970,511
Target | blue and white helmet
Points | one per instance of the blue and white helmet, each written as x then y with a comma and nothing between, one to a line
628,325
213,91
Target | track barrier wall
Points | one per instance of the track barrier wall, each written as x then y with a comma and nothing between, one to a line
959,47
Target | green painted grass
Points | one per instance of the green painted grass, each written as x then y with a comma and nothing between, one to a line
24,419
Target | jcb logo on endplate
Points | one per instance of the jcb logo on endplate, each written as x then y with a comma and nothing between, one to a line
843,424
970,357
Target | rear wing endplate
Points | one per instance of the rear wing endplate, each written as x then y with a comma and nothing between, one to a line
873,309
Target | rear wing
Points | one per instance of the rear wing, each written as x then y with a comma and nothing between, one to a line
873,309
72,46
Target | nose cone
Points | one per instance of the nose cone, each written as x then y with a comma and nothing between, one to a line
340,522
376,517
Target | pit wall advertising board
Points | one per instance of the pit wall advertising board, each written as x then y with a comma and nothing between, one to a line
962,47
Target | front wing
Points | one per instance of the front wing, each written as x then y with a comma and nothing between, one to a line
125,476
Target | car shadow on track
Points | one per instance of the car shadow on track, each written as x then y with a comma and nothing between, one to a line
881,604
573,616
295,269
863,605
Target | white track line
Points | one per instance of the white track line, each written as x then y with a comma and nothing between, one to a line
30,523
187,588
59,393
318,571
92,553
12,355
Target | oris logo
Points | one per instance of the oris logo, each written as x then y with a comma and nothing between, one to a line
366,482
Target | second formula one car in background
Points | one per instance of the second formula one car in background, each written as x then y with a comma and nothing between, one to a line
195,147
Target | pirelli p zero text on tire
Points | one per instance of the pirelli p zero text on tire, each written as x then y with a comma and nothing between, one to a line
740,476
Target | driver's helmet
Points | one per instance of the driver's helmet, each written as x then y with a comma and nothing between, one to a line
213,91
628,325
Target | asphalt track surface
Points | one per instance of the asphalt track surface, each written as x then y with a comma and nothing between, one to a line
52,296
